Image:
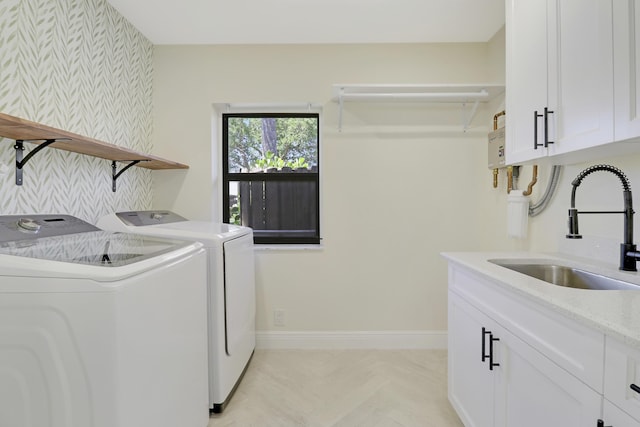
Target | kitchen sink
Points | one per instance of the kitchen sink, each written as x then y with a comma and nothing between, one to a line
562,275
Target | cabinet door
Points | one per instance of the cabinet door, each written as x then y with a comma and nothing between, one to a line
470,380
532,391
526,77
622,376
626,16
616,417
559,57
580,87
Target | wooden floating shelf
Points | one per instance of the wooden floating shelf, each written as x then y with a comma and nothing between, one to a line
24,130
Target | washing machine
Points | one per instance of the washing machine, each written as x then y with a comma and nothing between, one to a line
100,329
231,278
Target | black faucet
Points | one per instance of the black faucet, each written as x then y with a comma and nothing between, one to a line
628,253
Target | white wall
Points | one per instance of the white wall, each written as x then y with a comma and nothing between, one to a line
496,56
599,191
399,184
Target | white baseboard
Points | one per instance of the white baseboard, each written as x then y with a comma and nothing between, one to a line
388,340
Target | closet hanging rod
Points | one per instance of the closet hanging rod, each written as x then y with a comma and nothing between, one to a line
463,94
416,96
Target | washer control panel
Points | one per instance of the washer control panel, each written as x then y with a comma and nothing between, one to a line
23,227
142,218
28,225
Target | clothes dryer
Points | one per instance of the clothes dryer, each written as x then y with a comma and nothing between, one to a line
231,278
99,329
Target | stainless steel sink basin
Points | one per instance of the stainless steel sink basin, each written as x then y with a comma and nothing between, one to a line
561,275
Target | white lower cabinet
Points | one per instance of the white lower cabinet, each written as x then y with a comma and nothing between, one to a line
471,381
533,391
513,364
496,379
621,385
612,416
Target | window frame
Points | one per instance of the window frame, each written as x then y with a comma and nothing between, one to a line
228,177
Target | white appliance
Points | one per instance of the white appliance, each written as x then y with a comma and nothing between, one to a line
99,329
232,305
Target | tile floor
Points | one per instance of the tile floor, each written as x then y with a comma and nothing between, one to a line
342,388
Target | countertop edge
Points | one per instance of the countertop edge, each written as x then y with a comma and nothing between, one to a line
615,313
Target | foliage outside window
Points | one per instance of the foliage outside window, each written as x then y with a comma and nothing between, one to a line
270,175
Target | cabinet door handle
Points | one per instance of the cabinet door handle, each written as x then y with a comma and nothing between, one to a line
484,345
635,388
491,364
546,127
601,424
536,116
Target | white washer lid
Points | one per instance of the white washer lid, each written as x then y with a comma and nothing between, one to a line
206,232
197,230
99,248
98,255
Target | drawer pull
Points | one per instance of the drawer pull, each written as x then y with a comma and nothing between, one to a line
635,388
489,356
535,130
601,424
484,346
546,127
491,364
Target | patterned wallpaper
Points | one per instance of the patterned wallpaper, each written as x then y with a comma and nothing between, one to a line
77,65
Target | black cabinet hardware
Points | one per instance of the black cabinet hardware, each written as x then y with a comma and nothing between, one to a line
489,356
491,364
536,116
484,345
601,424
635,388
546,127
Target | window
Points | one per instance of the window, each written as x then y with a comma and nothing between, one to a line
270,175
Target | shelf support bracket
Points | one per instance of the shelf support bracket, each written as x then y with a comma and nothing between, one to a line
115,175
20,161
467,122
340,107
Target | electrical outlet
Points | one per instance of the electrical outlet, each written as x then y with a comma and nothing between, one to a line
278,317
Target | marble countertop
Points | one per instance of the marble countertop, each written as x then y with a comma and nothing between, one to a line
616,313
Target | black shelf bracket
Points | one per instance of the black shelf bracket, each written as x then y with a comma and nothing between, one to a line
115,175
20,161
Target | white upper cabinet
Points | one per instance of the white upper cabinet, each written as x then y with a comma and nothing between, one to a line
559,77
581,73
626,37
526,76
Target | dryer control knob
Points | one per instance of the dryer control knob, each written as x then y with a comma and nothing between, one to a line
28,224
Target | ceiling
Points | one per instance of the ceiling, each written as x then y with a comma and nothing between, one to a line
313,21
